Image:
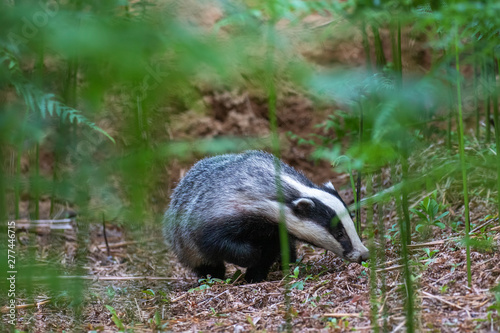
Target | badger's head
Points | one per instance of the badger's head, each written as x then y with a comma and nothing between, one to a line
320,217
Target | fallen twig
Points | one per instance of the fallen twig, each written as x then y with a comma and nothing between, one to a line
342,315
238,308
118,278
399,326
217,296
479,227
6,309
387,269
122,244
139,310
428,295
54,221
438,242
179,298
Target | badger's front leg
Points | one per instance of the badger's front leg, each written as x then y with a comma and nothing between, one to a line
293,249
269,255
258,271
230,243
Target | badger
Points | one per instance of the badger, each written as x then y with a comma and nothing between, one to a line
227,208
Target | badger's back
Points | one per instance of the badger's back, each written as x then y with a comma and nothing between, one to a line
220,188
226,209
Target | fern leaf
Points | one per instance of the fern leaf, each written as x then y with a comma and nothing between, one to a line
36,100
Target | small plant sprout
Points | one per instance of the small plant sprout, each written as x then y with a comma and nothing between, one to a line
296,272
155,322
429,253
443,289
299,285
208,282
393,233
430,213
110,292
454,267
149,293
115,319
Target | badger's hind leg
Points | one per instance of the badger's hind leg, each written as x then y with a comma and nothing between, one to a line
215,270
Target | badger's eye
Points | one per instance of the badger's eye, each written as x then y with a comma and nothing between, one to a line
339,234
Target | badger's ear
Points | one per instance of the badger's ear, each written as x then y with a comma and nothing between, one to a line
329,185
303,204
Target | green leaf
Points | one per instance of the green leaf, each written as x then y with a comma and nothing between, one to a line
422,215
299,285
442,215
149,292
440,225
296,272
157,318
426,203
110,309
115,319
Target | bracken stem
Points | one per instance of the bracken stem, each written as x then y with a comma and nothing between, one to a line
462,160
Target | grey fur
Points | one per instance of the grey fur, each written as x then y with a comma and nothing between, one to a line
228,188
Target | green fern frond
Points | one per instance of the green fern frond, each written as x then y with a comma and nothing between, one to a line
45,103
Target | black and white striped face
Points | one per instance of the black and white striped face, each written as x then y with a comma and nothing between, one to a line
320,217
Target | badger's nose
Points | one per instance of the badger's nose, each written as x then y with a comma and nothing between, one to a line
364,256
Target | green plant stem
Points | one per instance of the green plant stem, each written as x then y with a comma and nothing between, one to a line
462,161
404,160
366,47
494,99
353,187
381,253
408,280
449,120
39,80
273,121
487,103
19,153
3,207
374,309
408,283
358,180
55,177
58,152
396,53
394,48
271,90
37,181
379,49
476,97
400,61
404,200
17,185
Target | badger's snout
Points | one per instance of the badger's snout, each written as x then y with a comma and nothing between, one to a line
364,255
359,255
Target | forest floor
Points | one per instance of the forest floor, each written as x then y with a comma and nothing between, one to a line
148,289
